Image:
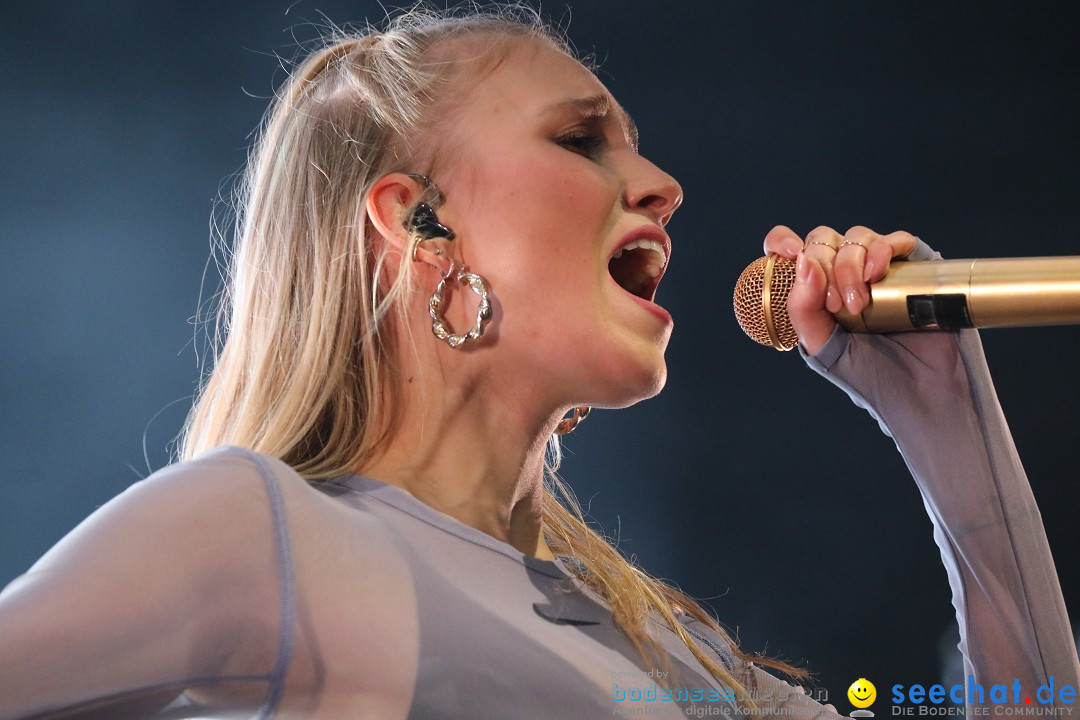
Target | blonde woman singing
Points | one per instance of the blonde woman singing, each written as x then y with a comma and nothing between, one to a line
447,252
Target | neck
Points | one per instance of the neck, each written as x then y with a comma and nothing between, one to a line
473,456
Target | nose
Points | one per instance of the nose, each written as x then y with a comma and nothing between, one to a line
651,189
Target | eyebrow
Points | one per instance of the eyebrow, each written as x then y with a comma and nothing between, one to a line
602,106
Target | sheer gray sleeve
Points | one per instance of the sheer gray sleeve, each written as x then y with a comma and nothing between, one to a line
171,594
932,393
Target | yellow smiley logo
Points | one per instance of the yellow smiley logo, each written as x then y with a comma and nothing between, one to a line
862,693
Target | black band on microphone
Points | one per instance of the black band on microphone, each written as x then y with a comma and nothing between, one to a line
939,312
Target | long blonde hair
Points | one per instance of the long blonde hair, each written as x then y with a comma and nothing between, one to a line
306,329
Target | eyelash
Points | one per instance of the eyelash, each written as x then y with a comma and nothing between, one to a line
582,142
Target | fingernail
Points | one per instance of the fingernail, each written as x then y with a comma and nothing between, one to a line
850,295
802,268
791,246
868,271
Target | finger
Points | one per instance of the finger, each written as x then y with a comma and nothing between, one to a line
881,254
810,317
848,267
783,241
821,244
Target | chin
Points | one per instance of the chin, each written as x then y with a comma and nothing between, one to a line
656,384
648,384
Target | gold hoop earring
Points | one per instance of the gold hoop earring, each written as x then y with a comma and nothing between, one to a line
567,425
439,326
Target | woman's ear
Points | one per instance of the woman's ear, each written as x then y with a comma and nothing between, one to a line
389,203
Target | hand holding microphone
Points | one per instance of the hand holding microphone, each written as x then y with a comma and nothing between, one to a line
833,273
800,293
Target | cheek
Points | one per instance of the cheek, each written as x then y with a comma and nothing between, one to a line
546,191
539,226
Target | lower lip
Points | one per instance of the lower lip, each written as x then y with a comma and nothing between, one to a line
658,312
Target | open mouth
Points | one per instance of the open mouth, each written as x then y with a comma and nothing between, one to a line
638,266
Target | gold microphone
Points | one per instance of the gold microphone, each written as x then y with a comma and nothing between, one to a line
934,295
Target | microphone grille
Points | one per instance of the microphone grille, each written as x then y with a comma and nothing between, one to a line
760,301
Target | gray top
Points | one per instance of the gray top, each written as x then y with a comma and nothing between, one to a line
232,580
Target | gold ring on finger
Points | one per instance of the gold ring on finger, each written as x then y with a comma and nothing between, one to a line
820,242
852,242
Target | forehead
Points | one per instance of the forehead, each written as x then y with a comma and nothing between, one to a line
535,80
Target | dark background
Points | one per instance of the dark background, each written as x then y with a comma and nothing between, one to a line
749,481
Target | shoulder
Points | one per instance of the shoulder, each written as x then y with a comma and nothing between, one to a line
225,467
237,497
192,559
222,481
222,498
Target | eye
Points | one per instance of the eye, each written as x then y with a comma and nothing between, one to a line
582,142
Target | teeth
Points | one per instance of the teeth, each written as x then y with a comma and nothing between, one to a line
658,263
